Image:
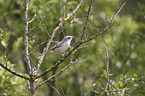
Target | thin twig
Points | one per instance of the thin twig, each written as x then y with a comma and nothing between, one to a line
38,46
46,29
21,5
62,91
93,26
63,16
35,16
34,27
116,13
107,26
54,88
56,73
107,69
85,46
85,24
42,17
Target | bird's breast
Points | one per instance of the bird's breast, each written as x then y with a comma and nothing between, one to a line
63,48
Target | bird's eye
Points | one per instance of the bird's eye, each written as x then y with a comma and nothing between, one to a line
69,37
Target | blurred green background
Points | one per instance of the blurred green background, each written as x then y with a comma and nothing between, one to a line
124,40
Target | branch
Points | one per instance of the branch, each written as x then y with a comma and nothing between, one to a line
52,36
117,12
107,26
38,46
54,88
26,38
40,23
63,16
86,20
57,73
58,62
79,43
12,71
107,70
35,16
28,65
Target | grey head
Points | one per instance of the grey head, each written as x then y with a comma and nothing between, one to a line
67,38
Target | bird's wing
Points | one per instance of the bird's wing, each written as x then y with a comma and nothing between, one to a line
56,46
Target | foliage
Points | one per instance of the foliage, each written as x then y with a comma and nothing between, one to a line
124,40
11,85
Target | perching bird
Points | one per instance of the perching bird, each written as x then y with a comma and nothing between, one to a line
61,46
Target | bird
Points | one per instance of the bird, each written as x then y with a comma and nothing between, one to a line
61,46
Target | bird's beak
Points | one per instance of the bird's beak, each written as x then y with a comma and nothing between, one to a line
73,36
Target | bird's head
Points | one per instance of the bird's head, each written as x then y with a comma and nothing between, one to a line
67,38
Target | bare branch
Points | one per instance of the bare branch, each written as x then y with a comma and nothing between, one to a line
52,36
85,24
40,23
54,88
107,26
46,29
92,26
37,47
63,16
28,65
117,12
26,38
74,11
34,27
35,16
57,73
21,5
107,69
85,46
12,71
79,43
